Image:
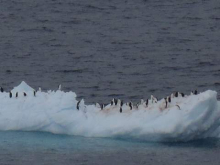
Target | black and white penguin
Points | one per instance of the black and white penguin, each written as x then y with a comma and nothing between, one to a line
176,94
2,90
120,109
166,103
183,95
34,93
195,92
122,103
116,101
112,102
146,102
77,105
153,99
102,106
59,87
10,95
130,105
16,95
169,99
156,99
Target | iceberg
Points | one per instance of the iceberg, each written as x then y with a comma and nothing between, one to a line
195,117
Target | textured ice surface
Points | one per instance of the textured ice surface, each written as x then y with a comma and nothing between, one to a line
55,112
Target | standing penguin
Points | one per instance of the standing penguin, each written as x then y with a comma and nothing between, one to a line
153,99
120,109
121,106
116,101
195,92
165,102
102,106
130,105
183,95
16,95
121,103
25,94
34,93
112,102
2,90
176,94
146,102
169,99
10,95
77,105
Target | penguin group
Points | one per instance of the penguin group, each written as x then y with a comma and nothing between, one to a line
119,104
165,103
24,93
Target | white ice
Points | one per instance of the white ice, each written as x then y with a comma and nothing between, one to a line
55,112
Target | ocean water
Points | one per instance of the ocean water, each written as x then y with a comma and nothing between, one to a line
104,49
45,148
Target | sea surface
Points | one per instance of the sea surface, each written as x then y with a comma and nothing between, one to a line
102,49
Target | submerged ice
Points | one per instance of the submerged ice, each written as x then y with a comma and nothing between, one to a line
56,112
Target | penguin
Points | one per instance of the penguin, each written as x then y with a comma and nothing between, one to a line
77,105
116,101
2,90
146,102
34,93
153,99
183,95
16,95
130,105
112,102
59,87
120,109
10,95
195,92
39,89
176,94
166,103
102,106
25,94
169,99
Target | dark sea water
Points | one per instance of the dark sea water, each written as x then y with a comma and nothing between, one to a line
102,49
44,148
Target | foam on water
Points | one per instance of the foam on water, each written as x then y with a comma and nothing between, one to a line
55,112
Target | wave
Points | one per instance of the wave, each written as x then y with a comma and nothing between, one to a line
195,117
